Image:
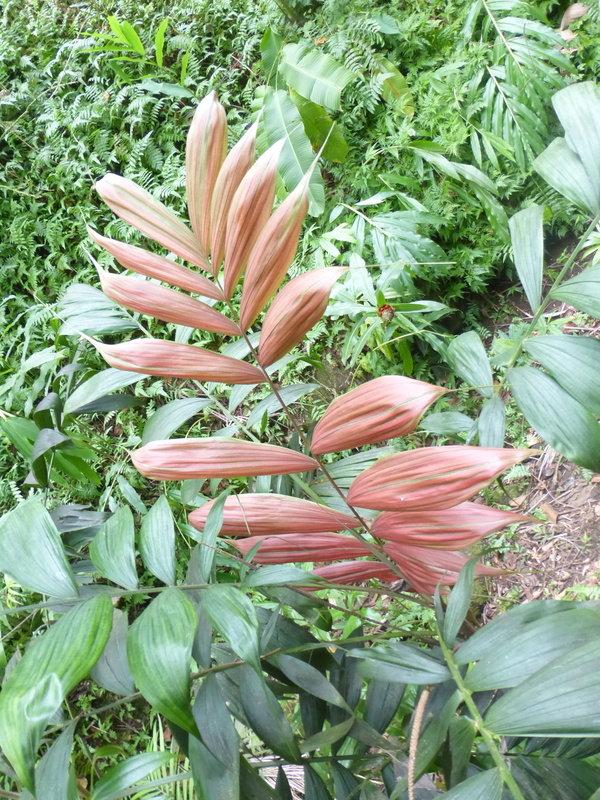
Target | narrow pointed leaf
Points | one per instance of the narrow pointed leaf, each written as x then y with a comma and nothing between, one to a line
157,357
250,209
127,773
50,668
272,514
561,420
205,152
399,663
302,547
113,549
146,263
379,409
273,253
573,363
454,528
213,719
233,616
212,779
111,670
236,165
181,459
296,309
311,680
274,403
582,291
207,549
42,567
99,385
466,355
458,603
327,737
157,541
54,780
159,649
140,209
165,304
491,424
527,236
430,477
168,418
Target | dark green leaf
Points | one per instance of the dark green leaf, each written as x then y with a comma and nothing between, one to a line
400,663
311,680
157,541
43,568
558,418
53,664
282,786
159,648
582,291
345,784
484,786
555,778
113,552
101,384
127,773
252,786
168,418
527,235
312,711
214,723
47,440
314,788
461,735
272,404
110,402
212,779
327,737
492,423
111,670
381,703
466,355
459,602
232,614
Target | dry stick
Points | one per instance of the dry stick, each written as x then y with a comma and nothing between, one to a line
414,740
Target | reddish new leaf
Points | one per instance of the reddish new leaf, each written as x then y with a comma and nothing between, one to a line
205,152
380,409
182,459
451,529
165,304
137,207
430,477
157,357
356,572
302,547
147,263
298,306
273,514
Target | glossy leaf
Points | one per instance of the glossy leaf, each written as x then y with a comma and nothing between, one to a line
572,361
153,266
295,310
380,409
181,459
430,477
127,773
466,355
99,385
582,291
159,648
527,235
185,361
111,670
140,209
272,514
205,152
44,567
558,418
50,668
113,549
232,614
157,541
168,418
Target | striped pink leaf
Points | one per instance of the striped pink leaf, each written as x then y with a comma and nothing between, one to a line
165,304
451,529
182,459
273,253
250,209
205,152
147,263
236,165
137,207
157,357
355,572
298,306
430,477
301,547
273,514
380,409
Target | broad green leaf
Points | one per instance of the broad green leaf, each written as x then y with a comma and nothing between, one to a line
542,778
562,169
561,420
270,50
314,75
327,737
127,773
578,109
212,779
113,549
101,384
157,541
459,602
400,663
232,614
582,291
461,735
282,120
484,786
277,574
447,422
53,778
111,670
86,309
253,787
53,664
215,725
466,355
314,787
208,538
573,363
561,699
395,88
381,703
321,129
346,785
527,235
47,440
491,424
168,418
159,648
43,567
311,680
